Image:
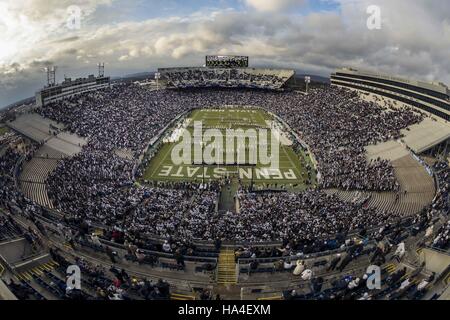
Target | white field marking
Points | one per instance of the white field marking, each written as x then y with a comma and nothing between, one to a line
262,118
285,159
161,163
210,172
292,163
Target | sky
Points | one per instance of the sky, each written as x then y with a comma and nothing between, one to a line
412,38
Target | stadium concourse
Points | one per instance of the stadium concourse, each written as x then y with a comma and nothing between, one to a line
161,240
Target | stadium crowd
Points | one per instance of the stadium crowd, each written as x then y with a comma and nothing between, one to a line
11,198
97,185
441,203
225,77
335,124
300,217
123,117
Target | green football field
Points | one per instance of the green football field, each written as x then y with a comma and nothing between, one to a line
3,130
290,169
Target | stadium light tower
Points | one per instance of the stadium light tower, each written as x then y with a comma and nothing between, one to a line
101,69
51,75
307,81
157,77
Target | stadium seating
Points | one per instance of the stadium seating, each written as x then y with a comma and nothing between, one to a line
230,78
140,231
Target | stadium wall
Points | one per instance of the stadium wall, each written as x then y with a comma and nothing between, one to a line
70,88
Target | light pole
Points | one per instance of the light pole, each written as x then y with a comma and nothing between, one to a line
307,81
157,77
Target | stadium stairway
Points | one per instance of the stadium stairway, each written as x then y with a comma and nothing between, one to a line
226,268
39,270
37,192
35,173
33,178
48,281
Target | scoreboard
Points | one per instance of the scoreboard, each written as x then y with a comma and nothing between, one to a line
226,61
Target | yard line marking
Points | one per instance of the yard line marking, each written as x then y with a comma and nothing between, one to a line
161,163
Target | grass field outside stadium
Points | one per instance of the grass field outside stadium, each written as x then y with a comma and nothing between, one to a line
294,169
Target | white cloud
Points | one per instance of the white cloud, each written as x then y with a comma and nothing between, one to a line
414,41
27,25
273,5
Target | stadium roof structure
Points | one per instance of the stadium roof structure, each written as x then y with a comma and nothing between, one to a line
390,150
435,86
425,135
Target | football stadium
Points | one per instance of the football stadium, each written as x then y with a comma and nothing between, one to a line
226,181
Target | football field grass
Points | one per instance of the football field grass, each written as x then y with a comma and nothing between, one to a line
3,130
291,169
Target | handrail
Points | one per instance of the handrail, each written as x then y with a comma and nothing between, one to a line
207,244
303,257
26,260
